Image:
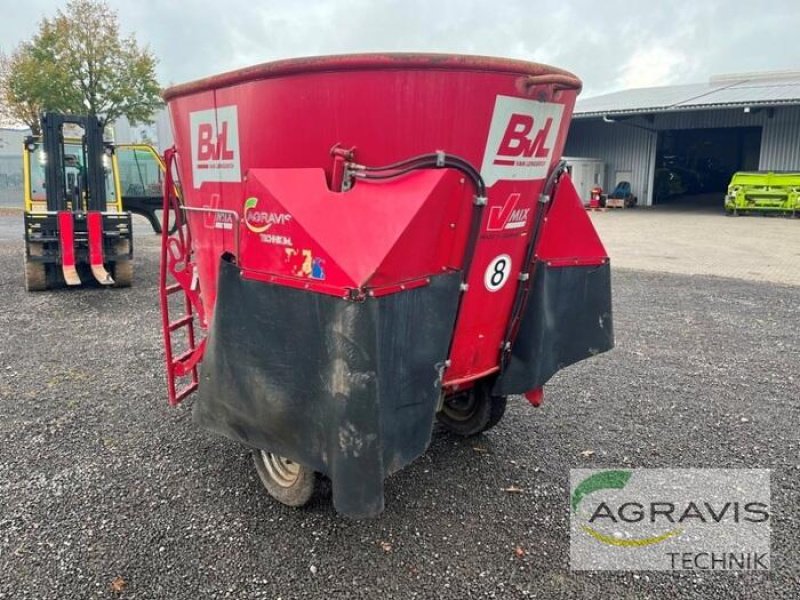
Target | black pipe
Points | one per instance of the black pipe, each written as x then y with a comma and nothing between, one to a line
545,202
437,160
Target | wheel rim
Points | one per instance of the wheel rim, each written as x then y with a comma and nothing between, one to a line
461,407
281,470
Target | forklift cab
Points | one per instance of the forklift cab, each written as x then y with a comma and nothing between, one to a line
141,181
75,177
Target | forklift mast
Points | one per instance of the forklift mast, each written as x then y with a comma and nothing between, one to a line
72,232
94,149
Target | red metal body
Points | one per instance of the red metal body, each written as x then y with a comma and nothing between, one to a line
371,243
257,168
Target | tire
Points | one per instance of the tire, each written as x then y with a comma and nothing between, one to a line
290,483
122,269
496,411
473,411
123,273
35,272
35,276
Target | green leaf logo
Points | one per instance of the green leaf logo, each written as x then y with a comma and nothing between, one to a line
605,480
613,480
252,202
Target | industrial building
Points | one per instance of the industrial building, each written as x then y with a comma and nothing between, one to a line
11,141
682,143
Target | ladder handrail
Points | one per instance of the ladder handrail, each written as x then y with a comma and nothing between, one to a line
176,251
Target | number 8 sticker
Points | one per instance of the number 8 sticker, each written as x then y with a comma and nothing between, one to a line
497,272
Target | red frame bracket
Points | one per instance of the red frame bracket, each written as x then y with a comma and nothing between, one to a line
94,226
66,241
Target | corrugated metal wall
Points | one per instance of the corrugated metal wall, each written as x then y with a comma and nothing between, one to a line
11,191
709,119
780,141
624,147
621,147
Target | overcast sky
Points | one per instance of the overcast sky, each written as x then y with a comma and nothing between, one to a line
610,44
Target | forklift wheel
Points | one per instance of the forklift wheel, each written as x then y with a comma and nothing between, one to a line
35,276
290,483
472,412
123,273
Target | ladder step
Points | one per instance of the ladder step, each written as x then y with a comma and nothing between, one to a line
171,289
185,391
182,322
182,357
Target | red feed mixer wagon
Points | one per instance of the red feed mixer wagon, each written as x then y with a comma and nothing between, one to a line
370,243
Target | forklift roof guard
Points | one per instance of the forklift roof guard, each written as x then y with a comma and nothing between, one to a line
94,149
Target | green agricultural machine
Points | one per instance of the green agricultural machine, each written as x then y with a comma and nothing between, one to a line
764,192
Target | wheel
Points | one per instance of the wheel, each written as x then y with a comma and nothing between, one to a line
35,272
122,272
290,483
497,409
472,412
35,276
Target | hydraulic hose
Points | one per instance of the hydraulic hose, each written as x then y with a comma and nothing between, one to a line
523,289
436,160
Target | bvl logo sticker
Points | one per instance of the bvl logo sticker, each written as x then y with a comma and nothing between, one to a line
521,138
215,145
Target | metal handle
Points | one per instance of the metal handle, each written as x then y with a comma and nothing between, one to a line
220,211
561,81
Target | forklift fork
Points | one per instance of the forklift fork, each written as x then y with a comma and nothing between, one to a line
94,225
66,240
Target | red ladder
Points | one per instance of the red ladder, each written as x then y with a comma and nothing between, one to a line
179,275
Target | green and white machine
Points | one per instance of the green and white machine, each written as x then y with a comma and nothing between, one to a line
764,192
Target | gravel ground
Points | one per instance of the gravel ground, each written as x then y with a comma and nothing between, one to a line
103,486
10,225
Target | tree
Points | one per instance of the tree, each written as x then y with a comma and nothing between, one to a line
6,118
77,62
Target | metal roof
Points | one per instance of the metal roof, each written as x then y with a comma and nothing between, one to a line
728,92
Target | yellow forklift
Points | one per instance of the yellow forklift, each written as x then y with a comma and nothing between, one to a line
77,224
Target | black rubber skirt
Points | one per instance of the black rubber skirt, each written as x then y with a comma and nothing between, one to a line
349,389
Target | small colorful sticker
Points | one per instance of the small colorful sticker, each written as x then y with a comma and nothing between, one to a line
299,261
318,268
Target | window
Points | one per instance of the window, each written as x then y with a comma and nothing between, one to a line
139,172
